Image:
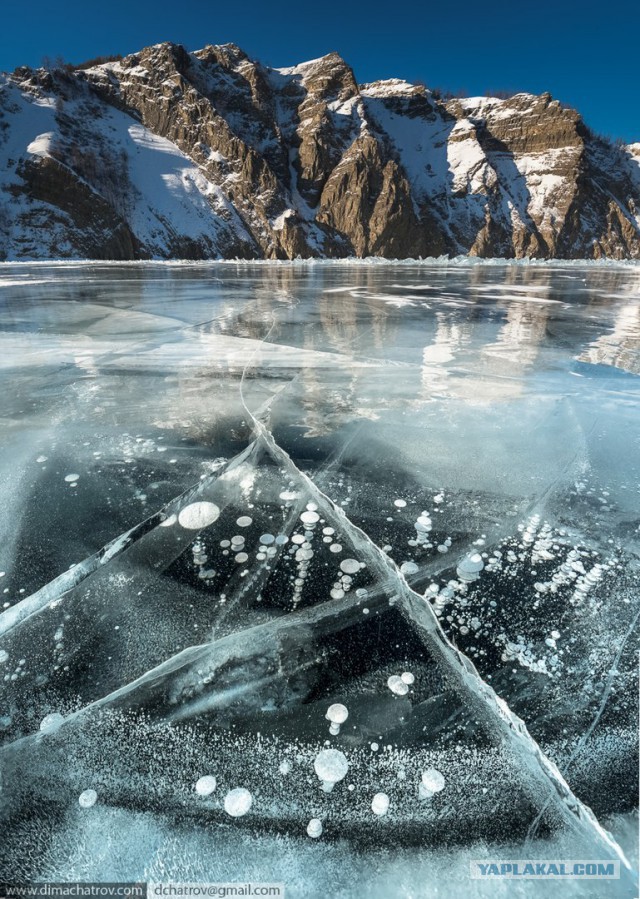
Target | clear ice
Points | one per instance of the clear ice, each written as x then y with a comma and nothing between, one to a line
340,560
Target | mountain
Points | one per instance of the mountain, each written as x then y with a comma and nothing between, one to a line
170,154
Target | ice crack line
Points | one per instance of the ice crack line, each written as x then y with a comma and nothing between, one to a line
544,773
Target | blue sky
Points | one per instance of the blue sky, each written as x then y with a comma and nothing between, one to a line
585,54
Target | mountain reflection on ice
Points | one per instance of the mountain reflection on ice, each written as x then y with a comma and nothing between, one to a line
289,550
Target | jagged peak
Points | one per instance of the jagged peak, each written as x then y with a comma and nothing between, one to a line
391,87
332,59
270,139
165,50
229,51
162,47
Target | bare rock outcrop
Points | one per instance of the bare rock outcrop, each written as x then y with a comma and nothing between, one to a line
204,155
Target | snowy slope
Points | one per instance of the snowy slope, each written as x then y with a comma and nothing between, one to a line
164,196
170,154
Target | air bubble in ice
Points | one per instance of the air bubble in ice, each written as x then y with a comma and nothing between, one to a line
397,685
244,521
70,478
335,548
331,766
241,558
400,503
337,713
380,804
303,555
168,521
433,780
314,828
198,515
237,802
267,539
87,798
206,785
407,677
409,568
470,567
350,566
309,517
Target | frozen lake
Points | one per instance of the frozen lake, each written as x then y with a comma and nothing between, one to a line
235,495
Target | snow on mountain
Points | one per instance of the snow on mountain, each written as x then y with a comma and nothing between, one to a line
170,154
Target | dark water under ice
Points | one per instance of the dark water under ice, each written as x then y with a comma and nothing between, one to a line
235,496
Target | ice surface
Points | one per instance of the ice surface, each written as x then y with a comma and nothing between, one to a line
320,571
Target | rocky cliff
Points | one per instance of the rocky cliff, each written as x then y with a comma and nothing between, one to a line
170,154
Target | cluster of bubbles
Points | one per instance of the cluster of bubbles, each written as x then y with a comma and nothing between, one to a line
494,562
423,527
344,581
573,571
399,684
268,545
18,671
237,544
303,550
439,597
200,559
524,652
469,567
530,529
543,545
237,802
328,536
238,548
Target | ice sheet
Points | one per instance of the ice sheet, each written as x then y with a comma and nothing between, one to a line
273,484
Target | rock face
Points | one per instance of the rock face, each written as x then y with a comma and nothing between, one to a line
169,154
